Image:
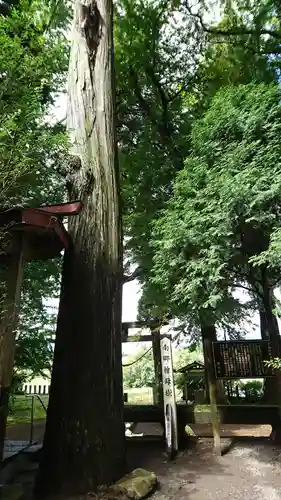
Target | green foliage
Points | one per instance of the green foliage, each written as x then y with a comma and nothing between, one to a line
224,205
274,363
155,59
183,357
195,384
20,409
252,390
237,52
37,321
220,219
167,74
33,62
141,373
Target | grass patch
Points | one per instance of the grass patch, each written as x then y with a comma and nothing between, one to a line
202,408
20,409
143,396
20,405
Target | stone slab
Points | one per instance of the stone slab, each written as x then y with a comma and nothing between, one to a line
136,485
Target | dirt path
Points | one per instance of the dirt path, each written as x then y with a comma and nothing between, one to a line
250,471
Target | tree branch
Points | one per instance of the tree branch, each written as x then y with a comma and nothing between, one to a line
164,102
6,7
238,285
164,99
233,31
163,126
133,276
178,93
52,16
142,102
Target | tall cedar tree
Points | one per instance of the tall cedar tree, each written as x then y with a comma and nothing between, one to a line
84,444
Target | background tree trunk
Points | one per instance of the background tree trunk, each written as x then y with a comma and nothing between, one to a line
270,384
268,326
208,331
268,321
84,444
158,398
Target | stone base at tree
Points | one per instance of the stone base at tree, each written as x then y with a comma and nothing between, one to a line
135,486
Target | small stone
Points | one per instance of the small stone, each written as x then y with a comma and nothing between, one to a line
189,431
136,485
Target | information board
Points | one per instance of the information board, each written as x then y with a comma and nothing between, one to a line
242,359
170,409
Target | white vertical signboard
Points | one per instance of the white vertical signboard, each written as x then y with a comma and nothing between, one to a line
170,409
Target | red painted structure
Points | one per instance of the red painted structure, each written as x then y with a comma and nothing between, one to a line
43,233
28,234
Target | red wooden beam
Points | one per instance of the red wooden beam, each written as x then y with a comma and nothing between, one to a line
42,227
38,218
63,209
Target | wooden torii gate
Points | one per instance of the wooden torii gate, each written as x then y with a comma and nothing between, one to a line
153,337
28,234
164,396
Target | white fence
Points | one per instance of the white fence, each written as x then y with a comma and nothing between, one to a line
37,385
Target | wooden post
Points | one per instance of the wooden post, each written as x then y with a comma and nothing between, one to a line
213,396
8,336
158,387
31,419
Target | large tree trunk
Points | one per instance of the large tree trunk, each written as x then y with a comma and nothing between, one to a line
269,320
84,444
270,384
270,331
158,398
208,332
270,325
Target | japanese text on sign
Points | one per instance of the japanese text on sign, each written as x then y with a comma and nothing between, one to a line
242,359
169,392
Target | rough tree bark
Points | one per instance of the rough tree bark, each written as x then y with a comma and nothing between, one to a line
268,305
270,331
270,384
208,332
207,343
84,444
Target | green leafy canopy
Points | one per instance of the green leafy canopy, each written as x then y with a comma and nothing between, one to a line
229,189
33,62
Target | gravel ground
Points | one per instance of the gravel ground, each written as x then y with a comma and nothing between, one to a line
251,470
